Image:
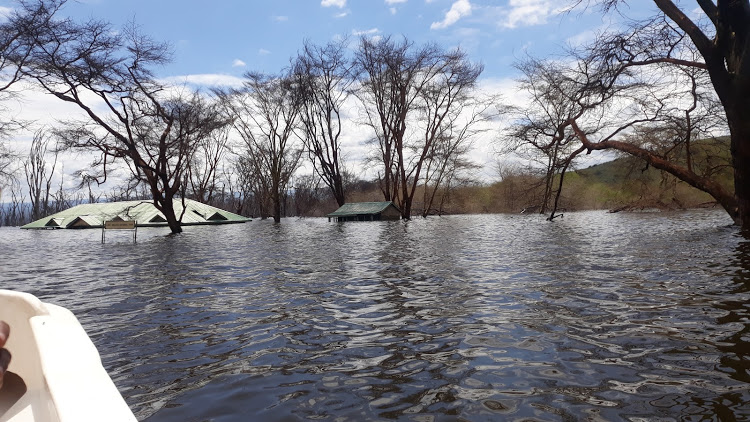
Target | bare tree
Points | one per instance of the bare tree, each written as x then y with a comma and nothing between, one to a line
323,77
7,159
555,96
16,212
414,99
39,173
449,116
308,195
722,51
610,92
15,47
265,113
62,198
202,176
130,118
388,81
447,168
244,186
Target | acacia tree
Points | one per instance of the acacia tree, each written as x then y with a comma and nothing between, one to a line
202,175
323,78
722,51
128,117
413,101
7,158
39,174
246,185
15,48
265,113
557,98
448,116
646,78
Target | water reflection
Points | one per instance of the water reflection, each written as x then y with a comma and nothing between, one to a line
596,316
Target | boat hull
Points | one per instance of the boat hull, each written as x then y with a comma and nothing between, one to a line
60,374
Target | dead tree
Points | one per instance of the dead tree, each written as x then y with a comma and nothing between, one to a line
39,173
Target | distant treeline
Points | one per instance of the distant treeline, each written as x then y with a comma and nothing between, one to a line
625,184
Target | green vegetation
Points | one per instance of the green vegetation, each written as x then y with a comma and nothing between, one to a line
625,183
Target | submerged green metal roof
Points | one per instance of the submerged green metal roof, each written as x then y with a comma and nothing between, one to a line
361,208
143,212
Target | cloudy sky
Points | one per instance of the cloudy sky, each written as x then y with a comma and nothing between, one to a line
215,42
227,37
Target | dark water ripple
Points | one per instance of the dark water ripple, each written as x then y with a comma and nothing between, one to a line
594,317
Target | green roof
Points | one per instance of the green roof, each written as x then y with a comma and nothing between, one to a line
143,212
361,208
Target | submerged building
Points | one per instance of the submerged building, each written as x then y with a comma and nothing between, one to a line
366,211
144,213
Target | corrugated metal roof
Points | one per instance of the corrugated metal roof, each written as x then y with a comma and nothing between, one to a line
143,212
361,208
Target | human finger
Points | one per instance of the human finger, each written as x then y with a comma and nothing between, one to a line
4,333
4,362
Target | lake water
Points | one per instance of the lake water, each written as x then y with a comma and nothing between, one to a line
596,316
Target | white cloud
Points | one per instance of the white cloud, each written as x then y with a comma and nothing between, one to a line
341,15
5,12
205,79
338,3
393,10
366,32
264,52
459,9
589,35
280,18
238,63
530,12
395,1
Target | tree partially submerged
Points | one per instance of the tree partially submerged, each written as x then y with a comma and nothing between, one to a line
651,90
420,103
129,118
265,114
39,173
323,77
202,177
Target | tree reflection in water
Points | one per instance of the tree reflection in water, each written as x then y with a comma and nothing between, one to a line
595,316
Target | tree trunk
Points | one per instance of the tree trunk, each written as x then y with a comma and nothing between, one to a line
739,128
164,202
276,207
734,91
729,202
168,210
406,209
338,191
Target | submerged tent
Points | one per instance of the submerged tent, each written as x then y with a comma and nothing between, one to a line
366,211
144,213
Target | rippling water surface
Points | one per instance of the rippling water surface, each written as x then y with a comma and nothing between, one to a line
495,317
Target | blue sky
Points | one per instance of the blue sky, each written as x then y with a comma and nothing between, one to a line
215,42
229,37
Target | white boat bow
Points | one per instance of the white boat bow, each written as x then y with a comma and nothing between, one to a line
59,365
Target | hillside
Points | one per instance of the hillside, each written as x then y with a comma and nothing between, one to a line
625,183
